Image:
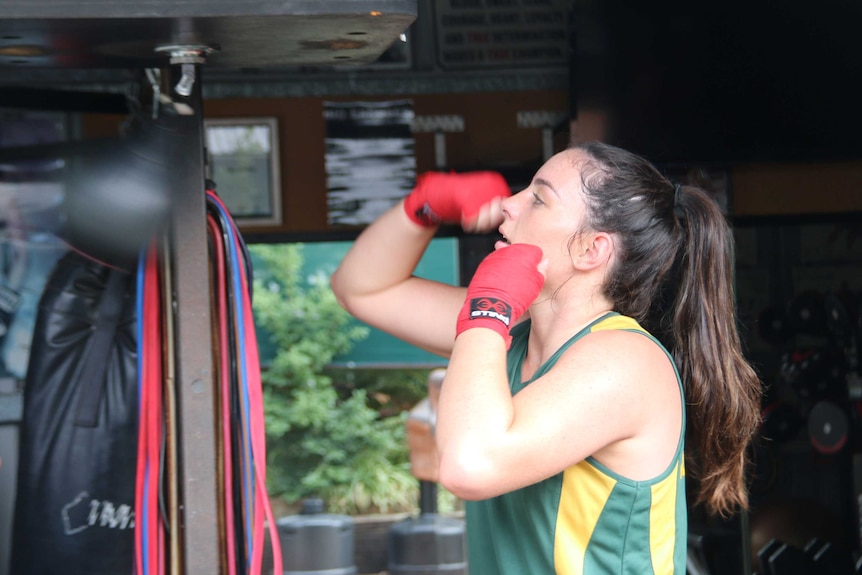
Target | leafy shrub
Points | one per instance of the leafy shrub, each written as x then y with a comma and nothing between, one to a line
324,439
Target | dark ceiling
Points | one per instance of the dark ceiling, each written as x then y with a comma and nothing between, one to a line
270,48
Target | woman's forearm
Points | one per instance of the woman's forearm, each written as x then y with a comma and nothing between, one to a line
385,254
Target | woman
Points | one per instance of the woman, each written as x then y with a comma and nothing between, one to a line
562,417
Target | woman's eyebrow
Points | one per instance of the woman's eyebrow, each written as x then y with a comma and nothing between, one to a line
545,183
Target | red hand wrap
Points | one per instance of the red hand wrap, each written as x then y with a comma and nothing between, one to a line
503,287
452,198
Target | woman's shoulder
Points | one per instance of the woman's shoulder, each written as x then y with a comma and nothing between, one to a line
612,358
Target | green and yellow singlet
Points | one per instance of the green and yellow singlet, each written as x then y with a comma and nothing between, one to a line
586,520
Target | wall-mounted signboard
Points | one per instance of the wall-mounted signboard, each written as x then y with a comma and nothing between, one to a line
501,33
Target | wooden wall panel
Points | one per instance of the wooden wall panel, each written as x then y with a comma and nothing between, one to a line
796,189
492,139
301,130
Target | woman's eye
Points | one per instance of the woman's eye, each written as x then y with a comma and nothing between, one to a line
536,199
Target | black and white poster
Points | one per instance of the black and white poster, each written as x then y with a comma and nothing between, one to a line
370,159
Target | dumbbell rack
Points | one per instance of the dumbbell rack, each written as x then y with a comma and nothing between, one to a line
832,428
816,558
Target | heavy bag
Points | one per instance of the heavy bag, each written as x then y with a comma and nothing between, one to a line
75,506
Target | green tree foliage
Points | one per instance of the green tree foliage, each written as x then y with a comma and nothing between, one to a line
390,391
324,439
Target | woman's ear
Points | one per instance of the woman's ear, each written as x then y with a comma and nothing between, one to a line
593,250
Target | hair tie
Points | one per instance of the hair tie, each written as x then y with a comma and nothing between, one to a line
677,209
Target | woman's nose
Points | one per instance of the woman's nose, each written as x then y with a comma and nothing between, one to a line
510,203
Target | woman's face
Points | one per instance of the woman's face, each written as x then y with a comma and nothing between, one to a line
549,211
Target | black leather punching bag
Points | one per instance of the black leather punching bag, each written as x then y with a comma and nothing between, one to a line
76,485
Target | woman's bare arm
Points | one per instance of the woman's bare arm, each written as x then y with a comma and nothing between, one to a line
375,283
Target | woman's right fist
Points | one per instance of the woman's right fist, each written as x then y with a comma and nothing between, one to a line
454,198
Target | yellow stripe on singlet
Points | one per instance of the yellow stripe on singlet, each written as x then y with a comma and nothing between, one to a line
663,520
618,322
584,493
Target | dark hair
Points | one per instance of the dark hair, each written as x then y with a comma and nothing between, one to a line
673,273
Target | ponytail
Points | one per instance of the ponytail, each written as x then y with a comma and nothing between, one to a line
722,389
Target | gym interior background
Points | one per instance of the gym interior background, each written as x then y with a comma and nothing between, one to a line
758,105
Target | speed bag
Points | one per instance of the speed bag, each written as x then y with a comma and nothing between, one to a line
74,511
